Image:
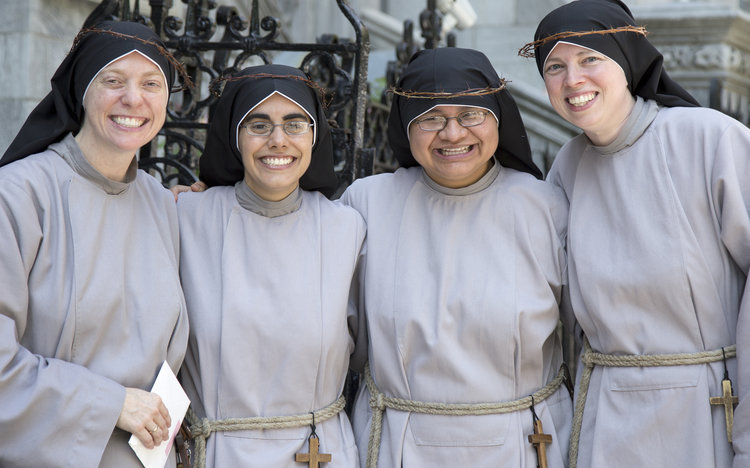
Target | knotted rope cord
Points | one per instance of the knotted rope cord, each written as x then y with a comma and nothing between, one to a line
379,402
590,358
202,428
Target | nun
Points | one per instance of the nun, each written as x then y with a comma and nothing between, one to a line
461,281
658,248
85,324
267,265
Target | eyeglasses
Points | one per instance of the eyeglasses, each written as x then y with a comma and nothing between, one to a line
265,128
436,123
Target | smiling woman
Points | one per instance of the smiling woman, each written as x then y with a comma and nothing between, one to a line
461,281
658,247
267,263
86,325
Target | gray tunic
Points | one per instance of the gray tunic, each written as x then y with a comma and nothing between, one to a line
267,287
659,250
460,289
90,304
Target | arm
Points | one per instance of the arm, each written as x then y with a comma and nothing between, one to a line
731,188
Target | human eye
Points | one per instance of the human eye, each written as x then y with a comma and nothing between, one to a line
591,59
295,127
433,122
472,117
259,127
553,68
111,81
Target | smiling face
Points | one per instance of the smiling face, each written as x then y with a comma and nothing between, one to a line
275,163
125,107
455,156
589,90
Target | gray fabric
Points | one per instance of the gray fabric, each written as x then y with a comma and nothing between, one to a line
659,250
90,303
272,324
460,294
250,200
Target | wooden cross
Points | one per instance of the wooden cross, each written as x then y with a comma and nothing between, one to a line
728,401
538,439
313,458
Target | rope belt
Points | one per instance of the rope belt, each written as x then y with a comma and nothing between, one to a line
202,428
591,358
379,402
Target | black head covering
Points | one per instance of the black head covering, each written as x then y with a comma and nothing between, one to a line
455,70
221,163
639,59
61,111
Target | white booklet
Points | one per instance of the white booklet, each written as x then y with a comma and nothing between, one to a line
169,389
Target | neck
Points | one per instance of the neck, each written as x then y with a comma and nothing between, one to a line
111,164
605,136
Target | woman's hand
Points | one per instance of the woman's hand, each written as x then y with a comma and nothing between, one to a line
144,415
196,187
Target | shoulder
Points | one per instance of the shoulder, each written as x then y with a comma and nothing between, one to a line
335,211
538,192
39,166
150,185
702,119
380,185
207,200
38,176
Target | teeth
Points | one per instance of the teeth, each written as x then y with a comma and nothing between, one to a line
454,151
581,100
129,122
277,161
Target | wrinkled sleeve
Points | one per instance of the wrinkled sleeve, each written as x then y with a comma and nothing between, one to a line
558,177
53,413
356,314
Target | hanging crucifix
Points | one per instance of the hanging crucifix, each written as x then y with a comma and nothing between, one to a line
727,399
539,439
313,457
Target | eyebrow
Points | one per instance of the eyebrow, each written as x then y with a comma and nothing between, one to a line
286,117
124,71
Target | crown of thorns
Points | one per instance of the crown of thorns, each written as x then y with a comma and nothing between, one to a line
217,89
528,50
187,82
449,95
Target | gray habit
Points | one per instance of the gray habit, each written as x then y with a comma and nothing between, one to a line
659,250
460,289
267,286
90,304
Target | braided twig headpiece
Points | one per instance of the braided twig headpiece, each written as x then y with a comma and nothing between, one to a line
528,50
449,95
216,87
187,82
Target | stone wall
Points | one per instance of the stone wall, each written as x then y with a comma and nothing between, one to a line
35,35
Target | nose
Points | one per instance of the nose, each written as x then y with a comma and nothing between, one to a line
452,131
277,138
132,95
573,76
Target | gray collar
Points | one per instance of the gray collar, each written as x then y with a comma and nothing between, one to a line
250,201
476,187
643,113
70,151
